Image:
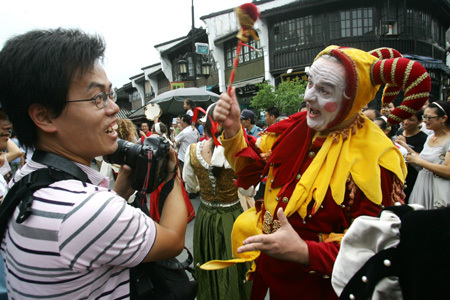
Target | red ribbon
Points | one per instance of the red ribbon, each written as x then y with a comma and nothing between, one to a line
214,124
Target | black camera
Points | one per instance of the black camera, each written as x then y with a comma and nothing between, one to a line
149,161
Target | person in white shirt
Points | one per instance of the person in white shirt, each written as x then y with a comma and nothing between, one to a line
187,136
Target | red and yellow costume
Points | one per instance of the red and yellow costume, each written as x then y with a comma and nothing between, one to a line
321,180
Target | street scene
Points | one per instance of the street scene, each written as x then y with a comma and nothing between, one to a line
274,149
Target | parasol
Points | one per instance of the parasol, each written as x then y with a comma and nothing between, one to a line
172,101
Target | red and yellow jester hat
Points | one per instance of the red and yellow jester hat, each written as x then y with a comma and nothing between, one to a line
367,71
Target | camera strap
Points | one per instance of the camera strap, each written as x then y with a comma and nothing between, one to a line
21,193
57,162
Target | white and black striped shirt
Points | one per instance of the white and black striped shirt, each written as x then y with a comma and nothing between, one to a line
79,242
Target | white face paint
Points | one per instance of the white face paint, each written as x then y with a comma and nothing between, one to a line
324,93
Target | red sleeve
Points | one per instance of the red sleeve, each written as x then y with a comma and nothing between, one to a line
323,255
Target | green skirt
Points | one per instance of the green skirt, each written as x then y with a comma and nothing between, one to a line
212,240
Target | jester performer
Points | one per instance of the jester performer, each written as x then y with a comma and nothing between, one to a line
325,167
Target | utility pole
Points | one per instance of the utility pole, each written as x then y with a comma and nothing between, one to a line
194,59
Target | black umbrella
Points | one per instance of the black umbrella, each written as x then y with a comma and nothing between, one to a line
172,101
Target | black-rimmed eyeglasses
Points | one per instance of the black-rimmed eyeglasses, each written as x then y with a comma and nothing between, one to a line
100,99
425,117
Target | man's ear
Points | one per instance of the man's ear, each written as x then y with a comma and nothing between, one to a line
41,117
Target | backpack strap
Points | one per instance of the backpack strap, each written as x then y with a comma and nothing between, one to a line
21,193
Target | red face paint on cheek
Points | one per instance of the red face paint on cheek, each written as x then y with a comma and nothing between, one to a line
331,107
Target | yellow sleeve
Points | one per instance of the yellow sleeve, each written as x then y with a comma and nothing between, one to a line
232,146
238,142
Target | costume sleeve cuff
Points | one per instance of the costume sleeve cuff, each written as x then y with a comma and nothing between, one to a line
321,258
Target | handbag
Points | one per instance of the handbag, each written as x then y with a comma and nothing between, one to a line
441,185
166,279
163,280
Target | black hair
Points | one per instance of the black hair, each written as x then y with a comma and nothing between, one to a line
162,128
38,67
392,128
377,112
273,111
445,111
190,103
187,119
419,114
302,105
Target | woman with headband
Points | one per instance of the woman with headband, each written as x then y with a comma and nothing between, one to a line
432,187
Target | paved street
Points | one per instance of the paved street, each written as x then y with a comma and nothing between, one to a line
190,232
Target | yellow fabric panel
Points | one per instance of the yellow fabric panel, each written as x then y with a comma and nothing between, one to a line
246,225
361,155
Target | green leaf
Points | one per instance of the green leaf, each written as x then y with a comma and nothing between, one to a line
287,96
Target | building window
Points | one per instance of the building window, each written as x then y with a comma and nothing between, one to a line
423,24
135,96
297,32
246,54
409,22
349,23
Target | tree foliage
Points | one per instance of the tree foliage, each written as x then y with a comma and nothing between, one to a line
287,96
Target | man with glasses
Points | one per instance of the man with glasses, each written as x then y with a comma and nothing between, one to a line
81,238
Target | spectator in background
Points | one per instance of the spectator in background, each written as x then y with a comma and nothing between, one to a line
187,136
434,159
423,127
188,106
144,132
381,122
126,131
271,115
371,113
20,161
411,136
248,122
161,130
303,106
5,128
281,118
387,109
12,152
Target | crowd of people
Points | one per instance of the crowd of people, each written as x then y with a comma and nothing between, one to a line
309,175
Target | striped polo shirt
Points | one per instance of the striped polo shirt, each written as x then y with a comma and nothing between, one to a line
79,242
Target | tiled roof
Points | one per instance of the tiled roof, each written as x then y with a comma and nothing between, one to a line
123,113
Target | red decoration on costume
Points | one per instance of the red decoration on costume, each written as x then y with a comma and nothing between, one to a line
214,125
350,89
416,84
390,91
247,15
251,10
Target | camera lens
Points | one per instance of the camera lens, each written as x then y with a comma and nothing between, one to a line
126,153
